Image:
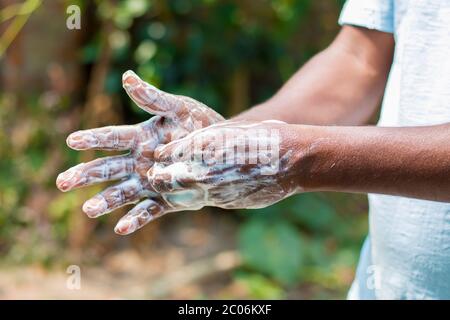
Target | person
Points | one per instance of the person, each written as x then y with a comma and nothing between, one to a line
398,49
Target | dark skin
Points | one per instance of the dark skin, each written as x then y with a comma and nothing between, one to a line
324,141
343,86
412,162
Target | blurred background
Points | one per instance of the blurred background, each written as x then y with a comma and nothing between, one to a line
229,54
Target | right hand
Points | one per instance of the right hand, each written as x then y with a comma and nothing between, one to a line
175,117
231,165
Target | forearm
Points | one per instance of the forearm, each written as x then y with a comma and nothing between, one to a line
409,161
342,85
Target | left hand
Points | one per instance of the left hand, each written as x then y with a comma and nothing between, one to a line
175,117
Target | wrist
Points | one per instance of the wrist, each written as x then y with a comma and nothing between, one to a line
314,153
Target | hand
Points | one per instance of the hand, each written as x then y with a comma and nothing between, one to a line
232,164
175,117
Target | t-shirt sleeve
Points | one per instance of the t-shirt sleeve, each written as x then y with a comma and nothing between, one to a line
371,14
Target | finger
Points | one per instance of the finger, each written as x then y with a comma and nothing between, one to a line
177,176
99,170
150,98
199,146
106,138
194,175
126,192
181,184
174,151
144,212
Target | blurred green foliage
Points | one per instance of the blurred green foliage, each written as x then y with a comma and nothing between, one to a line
228,54
303,238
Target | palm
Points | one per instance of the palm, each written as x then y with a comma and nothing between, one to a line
175,117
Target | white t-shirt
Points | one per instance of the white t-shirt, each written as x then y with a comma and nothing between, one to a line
407,252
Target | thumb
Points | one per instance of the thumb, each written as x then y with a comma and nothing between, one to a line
175,151
150,98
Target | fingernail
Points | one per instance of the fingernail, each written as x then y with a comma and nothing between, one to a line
130,79
66,180
82,140
125,227
161,154
135,221
95,207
